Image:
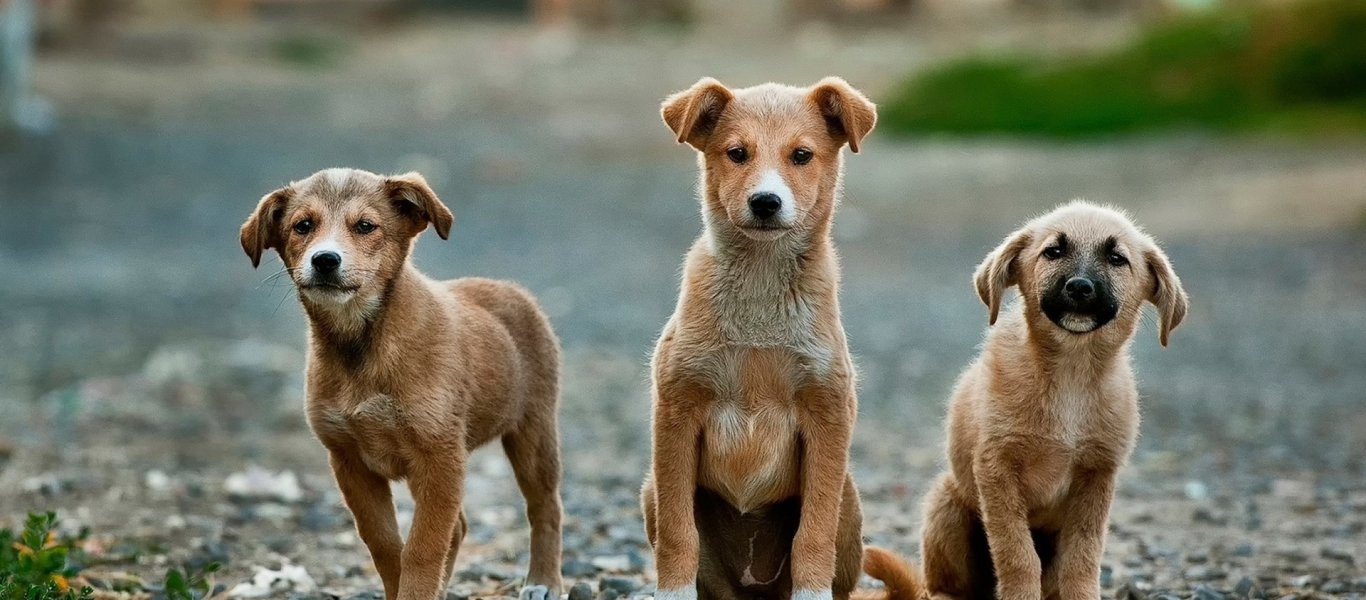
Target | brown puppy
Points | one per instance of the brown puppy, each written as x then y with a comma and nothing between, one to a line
407,375
1042,421
750,494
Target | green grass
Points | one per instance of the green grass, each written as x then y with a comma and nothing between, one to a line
1297,67
310,51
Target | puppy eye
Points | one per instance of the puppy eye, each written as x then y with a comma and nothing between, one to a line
737,154
801,156
1118,259
1054,252
303,227
364,227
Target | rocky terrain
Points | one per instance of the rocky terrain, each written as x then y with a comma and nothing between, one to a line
151,380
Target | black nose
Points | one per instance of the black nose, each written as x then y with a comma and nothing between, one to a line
765,204
1080,288
326,261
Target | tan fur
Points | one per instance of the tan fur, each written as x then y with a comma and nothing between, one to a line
407,375
1042,420
750,494
900,578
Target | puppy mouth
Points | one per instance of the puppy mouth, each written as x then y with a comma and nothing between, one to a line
765,231
328,288
1078,322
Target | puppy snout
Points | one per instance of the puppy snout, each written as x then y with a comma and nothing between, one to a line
1080,289
326,262
764,205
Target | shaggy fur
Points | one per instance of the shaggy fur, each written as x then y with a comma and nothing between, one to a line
407,375
749,495
1042,421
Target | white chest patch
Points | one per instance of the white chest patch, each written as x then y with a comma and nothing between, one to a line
1072,409
757,306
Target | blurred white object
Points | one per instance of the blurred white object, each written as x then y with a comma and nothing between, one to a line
1196,490
258,483
157,481
267,582
18,108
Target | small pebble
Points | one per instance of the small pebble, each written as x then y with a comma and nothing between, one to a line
578,568
623,586
581,591
1334,587
1337,554
1247,589
1127,591
1203,573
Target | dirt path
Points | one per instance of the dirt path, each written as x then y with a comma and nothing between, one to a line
146,363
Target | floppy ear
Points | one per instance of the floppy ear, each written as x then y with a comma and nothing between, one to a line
848,113
416,200
998,272
692,113
262,229
1167,293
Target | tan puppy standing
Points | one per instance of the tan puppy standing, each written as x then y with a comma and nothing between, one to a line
1048,413
749,495
407,375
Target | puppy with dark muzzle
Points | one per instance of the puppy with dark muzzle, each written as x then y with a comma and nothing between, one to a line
1042,421
407,375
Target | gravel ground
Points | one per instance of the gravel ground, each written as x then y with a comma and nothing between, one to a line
151,381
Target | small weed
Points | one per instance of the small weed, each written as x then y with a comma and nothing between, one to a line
190,584
37,564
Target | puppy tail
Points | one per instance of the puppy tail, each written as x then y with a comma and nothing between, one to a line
900,579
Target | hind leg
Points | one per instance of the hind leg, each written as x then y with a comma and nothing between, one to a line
647,508
848,542
461,528
534,451
947,545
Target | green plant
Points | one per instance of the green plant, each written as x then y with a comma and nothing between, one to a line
36,564
1299,66
190,584
310,51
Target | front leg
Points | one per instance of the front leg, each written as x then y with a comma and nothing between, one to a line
436,478
676,435
1006,521
371,503
826,423
1082,538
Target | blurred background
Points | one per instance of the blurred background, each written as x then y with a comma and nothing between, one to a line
150,380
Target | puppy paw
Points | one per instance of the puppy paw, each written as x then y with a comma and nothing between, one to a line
687,592
803,594
535,592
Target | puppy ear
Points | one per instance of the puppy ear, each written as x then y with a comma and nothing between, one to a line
262,230
998,272
848,113
1167,294
692,113
416,200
